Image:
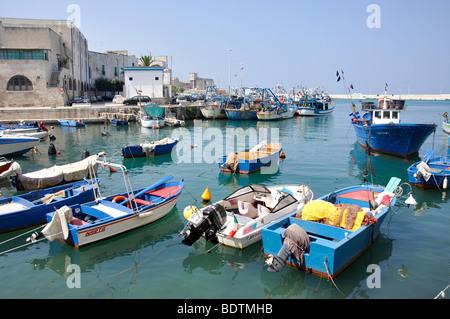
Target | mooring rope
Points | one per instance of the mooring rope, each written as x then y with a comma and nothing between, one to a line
441,293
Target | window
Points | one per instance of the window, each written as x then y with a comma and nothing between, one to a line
378,114
115,71
156,78
395,115
130,78
19,83
23,54
103,70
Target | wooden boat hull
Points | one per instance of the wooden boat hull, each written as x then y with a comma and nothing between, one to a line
122,220
274,116
332,249
308,111
213,113
152,123
401,140
249,163
16,145
241,114
27,209
72,123
131,151
446,127
439,170
115,122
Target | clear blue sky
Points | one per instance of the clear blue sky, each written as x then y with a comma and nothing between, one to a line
292,43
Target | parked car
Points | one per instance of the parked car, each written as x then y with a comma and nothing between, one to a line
75,100
135,100
99,98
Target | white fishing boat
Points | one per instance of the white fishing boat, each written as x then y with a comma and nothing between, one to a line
152,116
237,220
215,102
276,114
55,175
25,132
11,145
83,224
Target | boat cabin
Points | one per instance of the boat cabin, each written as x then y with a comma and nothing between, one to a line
385,112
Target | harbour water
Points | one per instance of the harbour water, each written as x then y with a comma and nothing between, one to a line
411,253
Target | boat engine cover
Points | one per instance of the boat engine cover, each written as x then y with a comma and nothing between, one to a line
214,218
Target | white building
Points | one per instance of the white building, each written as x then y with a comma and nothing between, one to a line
148,80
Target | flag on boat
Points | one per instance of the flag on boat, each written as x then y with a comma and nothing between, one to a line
235,228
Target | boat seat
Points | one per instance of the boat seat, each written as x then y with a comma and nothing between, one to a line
77,222
247,209
143,202
263,210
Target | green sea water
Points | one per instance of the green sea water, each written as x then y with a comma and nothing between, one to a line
412,251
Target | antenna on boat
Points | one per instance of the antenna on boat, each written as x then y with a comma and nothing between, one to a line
340,76
368,149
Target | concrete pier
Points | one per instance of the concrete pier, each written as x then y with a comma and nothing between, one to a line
91,113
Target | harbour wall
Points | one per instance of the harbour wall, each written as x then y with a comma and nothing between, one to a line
94,113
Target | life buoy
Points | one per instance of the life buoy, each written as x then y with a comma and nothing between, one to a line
118,199
79,121
282,100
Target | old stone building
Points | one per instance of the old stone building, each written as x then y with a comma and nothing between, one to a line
42,62
47,62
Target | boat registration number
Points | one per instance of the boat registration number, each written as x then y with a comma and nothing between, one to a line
95,231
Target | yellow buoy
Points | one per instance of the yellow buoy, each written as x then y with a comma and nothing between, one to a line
206,196
188,211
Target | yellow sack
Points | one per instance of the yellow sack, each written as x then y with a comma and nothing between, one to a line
318,210
352,225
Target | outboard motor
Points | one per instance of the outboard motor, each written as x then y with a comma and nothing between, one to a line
214,218
296,242
279,260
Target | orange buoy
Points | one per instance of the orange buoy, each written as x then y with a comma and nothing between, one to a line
282,155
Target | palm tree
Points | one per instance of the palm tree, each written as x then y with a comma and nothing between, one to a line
146,60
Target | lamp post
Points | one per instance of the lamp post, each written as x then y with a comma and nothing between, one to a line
229,71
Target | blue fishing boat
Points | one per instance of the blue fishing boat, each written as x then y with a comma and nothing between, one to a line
380,129
72,123
242,109
147,149
261,156
117,122
328,234
83,224
30,209
432,172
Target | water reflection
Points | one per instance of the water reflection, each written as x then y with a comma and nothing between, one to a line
132,244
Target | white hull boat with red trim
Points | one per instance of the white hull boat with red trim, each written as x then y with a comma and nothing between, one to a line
237,220
83,224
